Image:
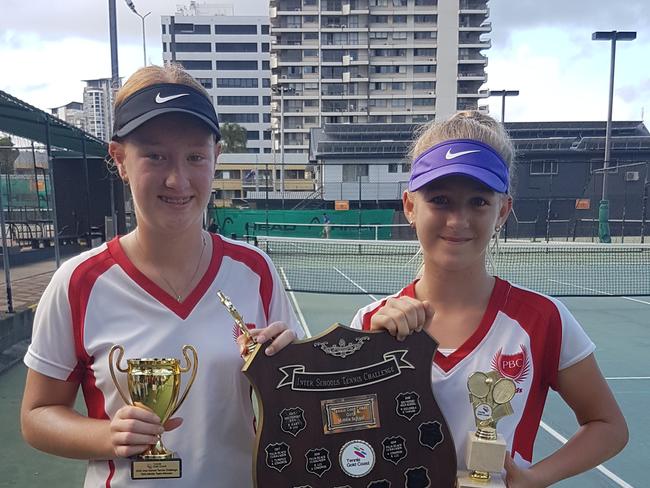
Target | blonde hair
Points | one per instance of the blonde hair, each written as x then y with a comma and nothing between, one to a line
469,124
152,75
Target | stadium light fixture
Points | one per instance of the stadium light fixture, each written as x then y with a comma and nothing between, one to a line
142,17
603,210
503,94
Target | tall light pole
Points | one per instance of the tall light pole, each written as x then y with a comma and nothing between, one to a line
603,211
142,17
503,94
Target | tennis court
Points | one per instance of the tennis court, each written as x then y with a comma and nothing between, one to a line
619,325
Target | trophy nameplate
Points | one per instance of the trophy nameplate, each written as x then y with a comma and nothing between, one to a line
350,409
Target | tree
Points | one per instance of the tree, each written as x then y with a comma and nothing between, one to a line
8,155
233,138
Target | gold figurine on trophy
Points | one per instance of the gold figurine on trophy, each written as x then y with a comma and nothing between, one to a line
250,343
155,384
490,395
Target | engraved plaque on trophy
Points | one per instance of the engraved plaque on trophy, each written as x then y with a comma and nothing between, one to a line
350,409
490,395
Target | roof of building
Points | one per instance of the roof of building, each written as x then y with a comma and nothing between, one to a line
359,141
24,120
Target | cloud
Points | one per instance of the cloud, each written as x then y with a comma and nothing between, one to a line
509,16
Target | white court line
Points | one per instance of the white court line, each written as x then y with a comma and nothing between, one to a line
628,378
600,467
598,291
296,307
374,298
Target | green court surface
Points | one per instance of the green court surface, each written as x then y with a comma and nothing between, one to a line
619,326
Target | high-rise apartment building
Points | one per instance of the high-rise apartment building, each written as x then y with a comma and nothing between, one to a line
230,56
98,108
373,61
72,113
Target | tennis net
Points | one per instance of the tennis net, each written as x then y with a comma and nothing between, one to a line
383,267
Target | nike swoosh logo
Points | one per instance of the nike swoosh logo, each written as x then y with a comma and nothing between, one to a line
160,99
451,155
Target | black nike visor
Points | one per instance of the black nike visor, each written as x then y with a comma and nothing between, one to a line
160,99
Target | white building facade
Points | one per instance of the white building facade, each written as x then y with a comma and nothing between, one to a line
230,56
98,108
374,61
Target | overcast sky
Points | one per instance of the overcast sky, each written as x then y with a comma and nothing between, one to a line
542,48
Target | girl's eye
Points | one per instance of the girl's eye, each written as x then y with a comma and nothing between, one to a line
479,202
439,200
154,157
196,158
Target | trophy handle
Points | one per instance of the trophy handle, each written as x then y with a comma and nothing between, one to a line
193,365
119,348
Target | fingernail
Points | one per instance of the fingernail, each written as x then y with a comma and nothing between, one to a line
270,351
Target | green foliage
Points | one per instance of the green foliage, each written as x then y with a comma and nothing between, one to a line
8,155
233,138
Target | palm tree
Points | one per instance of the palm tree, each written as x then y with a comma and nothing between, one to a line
233,138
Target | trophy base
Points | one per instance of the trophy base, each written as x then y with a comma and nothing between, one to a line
151,469
485,455
495,481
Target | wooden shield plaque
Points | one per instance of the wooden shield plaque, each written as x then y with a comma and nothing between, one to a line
353,409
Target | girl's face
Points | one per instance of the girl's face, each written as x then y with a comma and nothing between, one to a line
455,218
169,164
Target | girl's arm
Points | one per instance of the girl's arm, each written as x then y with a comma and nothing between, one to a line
50,423
602,433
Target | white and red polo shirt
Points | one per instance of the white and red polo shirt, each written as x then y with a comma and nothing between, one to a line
524,335
99,299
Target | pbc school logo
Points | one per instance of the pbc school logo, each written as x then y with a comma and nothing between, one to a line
236,332
514,366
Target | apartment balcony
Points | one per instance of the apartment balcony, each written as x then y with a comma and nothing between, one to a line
473,59
472,77
475,44
482,28
473,94
475,8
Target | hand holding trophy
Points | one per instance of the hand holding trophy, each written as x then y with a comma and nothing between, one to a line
490,395
155,384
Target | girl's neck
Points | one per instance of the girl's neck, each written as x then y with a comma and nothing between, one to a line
168,250
452,290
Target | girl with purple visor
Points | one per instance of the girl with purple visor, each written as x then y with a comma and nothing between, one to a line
457,201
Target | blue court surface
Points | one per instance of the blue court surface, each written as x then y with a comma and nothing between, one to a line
620,327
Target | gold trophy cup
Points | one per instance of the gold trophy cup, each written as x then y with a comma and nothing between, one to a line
155,384
490,395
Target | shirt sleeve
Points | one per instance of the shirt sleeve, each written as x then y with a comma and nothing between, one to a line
357,319
52,350
576,344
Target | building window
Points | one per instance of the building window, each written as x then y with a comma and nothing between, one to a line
265,29
424,68
266,118
543,167
425,35
423,85
423,102
192,47
424,52
265,47
266,100
392,168
266,82
205,82
164,29
229,174
237,65
239,118
267,135
399,19
266,65
426,3
236,47
196,65
236,82
424,19
237,100
379,19
235,29
189,29
253,135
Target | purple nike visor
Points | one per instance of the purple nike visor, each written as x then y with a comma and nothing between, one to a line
463,157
